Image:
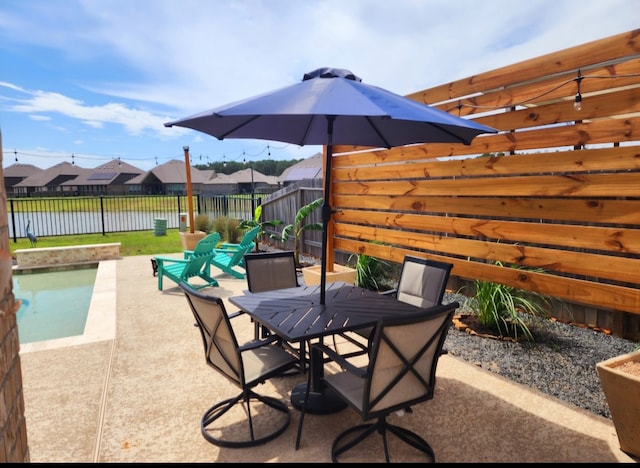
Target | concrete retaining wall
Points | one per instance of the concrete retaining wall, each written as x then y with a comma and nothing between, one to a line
28,258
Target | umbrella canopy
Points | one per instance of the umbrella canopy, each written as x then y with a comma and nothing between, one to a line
332,106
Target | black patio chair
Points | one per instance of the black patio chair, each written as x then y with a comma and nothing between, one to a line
401,372
422,283
268,271
245,366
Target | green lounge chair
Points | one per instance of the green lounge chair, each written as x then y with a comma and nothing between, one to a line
228,260
248,239
197,265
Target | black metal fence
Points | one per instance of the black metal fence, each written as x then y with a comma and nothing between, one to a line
91,215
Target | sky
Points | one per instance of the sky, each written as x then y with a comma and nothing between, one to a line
89,81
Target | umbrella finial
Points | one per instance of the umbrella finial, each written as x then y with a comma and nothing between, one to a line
328,72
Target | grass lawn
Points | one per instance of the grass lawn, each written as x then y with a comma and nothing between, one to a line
131,243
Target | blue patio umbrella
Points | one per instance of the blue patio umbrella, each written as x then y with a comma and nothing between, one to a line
333,106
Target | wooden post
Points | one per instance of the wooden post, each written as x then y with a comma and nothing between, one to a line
187,166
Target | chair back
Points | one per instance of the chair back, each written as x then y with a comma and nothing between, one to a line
270,270
250,237
402,366
207,244
423,281
203,252
220,344
236,257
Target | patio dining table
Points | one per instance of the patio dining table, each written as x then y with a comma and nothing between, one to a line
297,316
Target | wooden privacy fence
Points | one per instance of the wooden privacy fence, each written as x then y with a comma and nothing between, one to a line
557,189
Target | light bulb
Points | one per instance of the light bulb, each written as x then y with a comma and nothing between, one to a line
577,104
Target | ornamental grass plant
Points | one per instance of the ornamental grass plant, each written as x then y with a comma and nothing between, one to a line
507,310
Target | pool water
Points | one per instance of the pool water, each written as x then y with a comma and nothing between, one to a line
55,304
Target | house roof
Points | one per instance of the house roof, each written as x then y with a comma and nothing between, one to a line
173,172
309,168
20,170
244,177
46,176
221,179
112,172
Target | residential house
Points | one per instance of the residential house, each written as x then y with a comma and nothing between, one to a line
107,179
48,182
169,178
15,174
117,177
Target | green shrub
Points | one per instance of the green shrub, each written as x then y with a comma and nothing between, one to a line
202,223
228,228
233,233
502,308
371,273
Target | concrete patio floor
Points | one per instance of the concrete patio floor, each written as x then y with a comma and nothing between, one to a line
137,395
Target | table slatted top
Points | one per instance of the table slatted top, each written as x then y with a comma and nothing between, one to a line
296,314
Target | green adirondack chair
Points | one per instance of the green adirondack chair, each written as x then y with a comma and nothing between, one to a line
228,260
197,265
248,240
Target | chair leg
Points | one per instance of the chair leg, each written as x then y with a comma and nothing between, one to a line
303,410
365,431
381,426
412,439
221,408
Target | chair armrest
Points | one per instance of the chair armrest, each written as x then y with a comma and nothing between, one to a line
160,260
225,251
390,292
235,314
228,246
341,361
187,253
259,343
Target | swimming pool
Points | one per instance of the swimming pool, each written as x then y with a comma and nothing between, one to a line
50,318
55,304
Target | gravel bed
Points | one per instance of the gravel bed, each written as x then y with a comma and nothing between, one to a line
561,362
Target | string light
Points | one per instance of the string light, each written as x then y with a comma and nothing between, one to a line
99,159
577,104
73,159
577,99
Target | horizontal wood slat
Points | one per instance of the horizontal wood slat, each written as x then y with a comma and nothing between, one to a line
581,56
549,259
570,211
571,185
606,296
615,240
613,158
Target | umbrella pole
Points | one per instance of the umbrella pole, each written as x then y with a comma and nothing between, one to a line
326,208
189,189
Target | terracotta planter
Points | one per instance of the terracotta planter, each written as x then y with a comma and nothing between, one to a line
622,388
190,239
311,274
